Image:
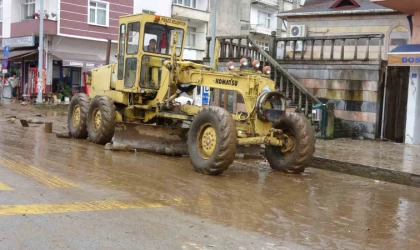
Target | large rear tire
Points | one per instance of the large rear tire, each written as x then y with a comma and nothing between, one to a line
301,145
77,117
101,120
212,141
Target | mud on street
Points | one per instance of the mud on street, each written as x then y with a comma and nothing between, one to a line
64,193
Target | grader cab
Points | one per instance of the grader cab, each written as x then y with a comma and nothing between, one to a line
134,102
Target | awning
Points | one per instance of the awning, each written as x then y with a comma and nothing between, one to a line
405,55
18,54
79,60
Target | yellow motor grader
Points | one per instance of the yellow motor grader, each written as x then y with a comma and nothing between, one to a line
134,102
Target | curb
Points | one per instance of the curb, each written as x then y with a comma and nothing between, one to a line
366,171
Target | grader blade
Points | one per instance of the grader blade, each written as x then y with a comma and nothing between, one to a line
152,138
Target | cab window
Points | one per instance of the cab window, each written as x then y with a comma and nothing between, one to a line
158,39
133,38
121,52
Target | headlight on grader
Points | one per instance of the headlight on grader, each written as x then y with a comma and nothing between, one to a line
256,64
267,70
231,65
243,62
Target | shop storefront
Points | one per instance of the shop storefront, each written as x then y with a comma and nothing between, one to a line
409,56
22,57
69,70
62,67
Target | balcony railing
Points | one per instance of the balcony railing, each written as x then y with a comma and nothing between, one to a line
31,26
190,13
259,29
342,48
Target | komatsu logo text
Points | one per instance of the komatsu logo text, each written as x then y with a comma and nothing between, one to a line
227,82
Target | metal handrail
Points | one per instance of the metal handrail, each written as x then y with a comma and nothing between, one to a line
278,67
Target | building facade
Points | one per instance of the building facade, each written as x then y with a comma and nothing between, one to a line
263,20
408,57
355,83
76,34
196,13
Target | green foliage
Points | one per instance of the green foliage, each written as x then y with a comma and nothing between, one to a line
63,91
66,91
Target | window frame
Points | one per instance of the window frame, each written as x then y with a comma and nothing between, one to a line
96,13
182,3
264,45
129,68
127,38
169,45
267,19
25,10
121,50
150,12
189,35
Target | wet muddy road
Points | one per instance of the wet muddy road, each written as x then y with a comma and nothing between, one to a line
61,193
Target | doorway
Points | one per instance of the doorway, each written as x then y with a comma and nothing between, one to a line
396,103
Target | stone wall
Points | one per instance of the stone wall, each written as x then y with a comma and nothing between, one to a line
354,90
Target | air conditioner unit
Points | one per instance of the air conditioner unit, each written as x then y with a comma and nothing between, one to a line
299,46
297,30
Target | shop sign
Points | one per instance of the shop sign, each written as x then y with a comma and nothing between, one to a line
404,59
26,41
81,64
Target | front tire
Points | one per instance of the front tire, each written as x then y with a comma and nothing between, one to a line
77,117
212,141
101,120
302,138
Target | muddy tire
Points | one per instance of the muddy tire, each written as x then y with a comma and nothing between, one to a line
212,141
78,115
101,120
300,128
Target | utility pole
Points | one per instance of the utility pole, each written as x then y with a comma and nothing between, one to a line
213,33
41,52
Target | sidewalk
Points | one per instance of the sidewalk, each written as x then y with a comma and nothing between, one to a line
387,161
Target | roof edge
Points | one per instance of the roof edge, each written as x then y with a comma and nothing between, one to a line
332,13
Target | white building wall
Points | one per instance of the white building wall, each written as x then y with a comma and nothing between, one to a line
7,17
160,7
11,14
413,108
203,5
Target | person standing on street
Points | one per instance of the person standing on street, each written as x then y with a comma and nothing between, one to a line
13,83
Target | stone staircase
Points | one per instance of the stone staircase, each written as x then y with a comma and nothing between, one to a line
298,98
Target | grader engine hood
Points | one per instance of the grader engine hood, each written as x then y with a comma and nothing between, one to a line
102,80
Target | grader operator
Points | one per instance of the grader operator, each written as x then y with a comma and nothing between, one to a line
134,102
